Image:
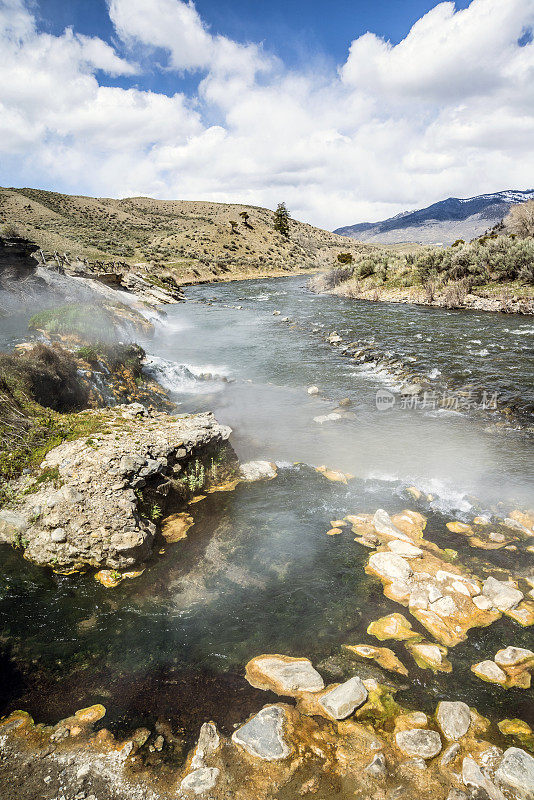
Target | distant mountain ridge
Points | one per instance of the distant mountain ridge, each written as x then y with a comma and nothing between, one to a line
440,223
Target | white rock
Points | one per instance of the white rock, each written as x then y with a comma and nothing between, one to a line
516,773
377,767
292,676
454,719
263,735
502,594
444,607
58,535
313,390
488,670
472,776
200,780
382,524
433,593
327,418
258,470
419,742
449,754
390,566
342,701
461,588
405,549
208,742
511,656
483,603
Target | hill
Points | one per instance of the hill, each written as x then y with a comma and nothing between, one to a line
440,223
187,241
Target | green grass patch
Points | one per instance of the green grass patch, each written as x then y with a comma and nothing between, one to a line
85,320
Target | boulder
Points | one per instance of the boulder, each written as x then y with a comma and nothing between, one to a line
258,471
513,656
419,743
263,735
490,672
390,567
454,719
404,549
344,699
502,594
283,675
97,519
383,524
313,390
516,773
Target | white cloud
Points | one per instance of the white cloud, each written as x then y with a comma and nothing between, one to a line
449,110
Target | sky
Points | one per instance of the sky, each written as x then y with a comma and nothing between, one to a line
347,110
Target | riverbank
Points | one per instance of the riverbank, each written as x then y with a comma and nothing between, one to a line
504,300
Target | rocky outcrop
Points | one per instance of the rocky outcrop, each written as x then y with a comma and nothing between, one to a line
106,492
17,261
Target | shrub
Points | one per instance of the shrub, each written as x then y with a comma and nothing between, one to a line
520,219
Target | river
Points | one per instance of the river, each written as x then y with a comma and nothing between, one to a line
257,574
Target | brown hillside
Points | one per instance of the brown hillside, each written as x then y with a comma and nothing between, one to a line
188,240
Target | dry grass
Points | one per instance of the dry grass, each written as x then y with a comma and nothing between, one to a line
188,241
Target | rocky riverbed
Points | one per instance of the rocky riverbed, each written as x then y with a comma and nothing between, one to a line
293,630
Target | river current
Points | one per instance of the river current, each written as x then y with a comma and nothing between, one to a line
257,574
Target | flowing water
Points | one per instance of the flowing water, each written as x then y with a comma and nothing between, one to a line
257,573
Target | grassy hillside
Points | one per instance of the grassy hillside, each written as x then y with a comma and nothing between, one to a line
187,240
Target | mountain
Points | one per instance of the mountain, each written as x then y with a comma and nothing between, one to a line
440,223
187,241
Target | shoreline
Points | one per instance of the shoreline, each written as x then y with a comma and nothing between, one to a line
472,302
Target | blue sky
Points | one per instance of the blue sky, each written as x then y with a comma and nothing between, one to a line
297,31
347,111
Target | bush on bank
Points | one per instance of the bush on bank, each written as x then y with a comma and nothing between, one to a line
490,259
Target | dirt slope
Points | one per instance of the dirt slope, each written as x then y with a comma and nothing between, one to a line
189,240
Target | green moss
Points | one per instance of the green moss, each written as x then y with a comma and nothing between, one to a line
88,321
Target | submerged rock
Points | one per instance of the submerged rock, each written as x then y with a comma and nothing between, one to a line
174,528
263,735
383,656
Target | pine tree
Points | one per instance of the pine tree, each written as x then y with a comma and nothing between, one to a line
281,220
